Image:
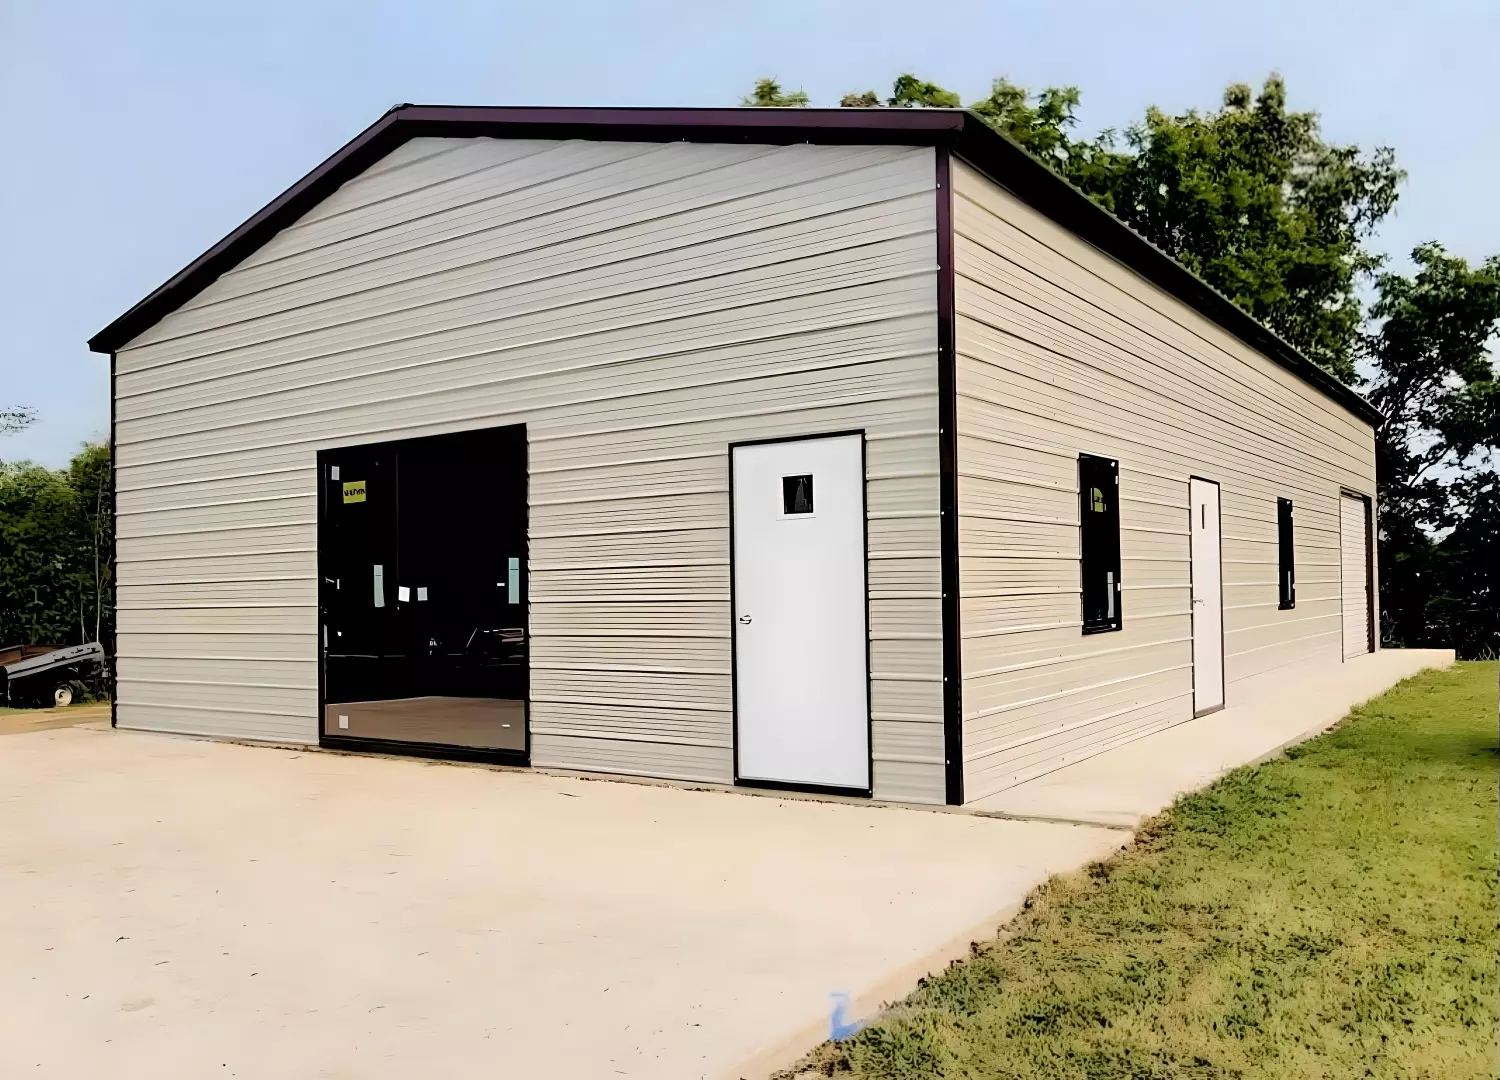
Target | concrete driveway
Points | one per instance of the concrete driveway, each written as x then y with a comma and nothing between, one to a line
181,908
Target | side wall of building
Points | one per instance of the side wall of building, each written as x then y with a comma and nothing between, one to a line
640,307
1061,350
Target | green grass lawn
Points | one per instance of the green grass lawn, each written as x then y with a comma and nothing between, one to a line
1332,914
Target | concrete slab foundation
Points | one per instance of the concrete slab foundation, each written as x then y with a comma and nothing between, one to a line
179,907
1126,785
175,907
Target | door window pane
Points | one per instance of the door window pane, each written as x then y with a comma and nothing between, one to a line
797,494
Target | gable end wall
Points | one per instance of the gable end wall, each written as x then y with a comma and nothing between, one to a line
639,306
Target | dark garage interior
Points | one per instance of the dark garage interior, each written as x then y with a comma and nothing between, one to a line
422,594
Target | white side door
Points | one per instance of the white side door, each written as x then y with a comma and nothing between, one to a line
1353,575
1208,597
802,714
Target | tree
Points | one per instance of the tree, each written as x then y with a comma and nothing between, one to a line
89,475
56,530
1252,198
1463,612
1435,380
1255,201
1042,128
1043,125
1249,196
908,92
768,94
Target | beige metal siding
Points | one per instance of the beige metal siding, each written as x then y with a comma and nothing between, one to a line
1062,351
639,307
1354,566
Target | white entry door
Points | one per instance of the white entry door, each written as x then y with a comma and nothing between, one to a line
802,714
1354,575
1208,597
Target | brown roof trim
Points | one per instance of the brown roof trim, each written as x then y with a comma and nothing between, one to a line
960,131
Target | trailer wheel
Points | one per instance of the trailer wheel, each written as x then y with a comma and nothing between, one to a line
62,696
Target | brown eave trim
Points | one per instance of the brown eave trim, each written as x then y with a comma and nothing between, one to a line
962,132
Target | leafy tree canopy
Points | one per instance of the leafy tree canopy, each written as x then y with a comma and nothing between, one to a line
1252,198
56,529
768,94
1249,196
908,92
1429,346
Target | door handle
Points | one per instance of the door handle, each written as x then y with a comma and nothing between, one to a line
744,620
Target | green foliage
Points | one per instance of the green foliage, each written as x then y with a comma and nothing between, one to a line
768,94
1042,127
1464,611
1435,380
1331,914
1251,198
56,535
910,92
1254,200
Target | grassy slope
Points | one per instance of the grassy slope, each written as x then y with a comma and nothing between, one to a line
1328,915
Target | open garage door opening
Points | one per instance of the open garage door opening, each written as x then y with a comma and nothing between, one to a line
422,595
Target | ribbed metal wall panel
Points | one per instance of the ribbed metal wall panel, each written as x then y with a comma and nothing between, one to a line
639,306
1063,351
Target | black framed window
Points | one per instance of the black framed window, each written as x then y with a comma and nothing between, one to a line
1099,542
1286,563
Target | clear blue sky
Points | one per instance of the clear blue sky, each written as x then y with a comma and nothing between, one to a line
140,133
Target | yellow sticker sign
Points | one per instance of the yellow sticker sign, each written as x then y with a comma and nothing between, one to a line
354,491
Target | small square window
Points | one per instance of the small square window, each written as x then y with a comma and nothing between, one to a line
796,495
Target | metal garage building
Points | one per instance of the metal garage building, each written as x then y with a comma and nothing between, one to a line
847,450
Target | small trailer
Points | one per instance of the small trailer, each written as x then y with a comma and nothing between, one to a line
42,675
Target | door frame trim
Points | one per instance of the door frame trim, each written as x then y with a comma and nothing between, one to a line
397,747
734,665
1192,636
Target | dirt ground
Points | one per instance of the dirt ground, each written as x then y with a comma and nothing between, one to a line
19,721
